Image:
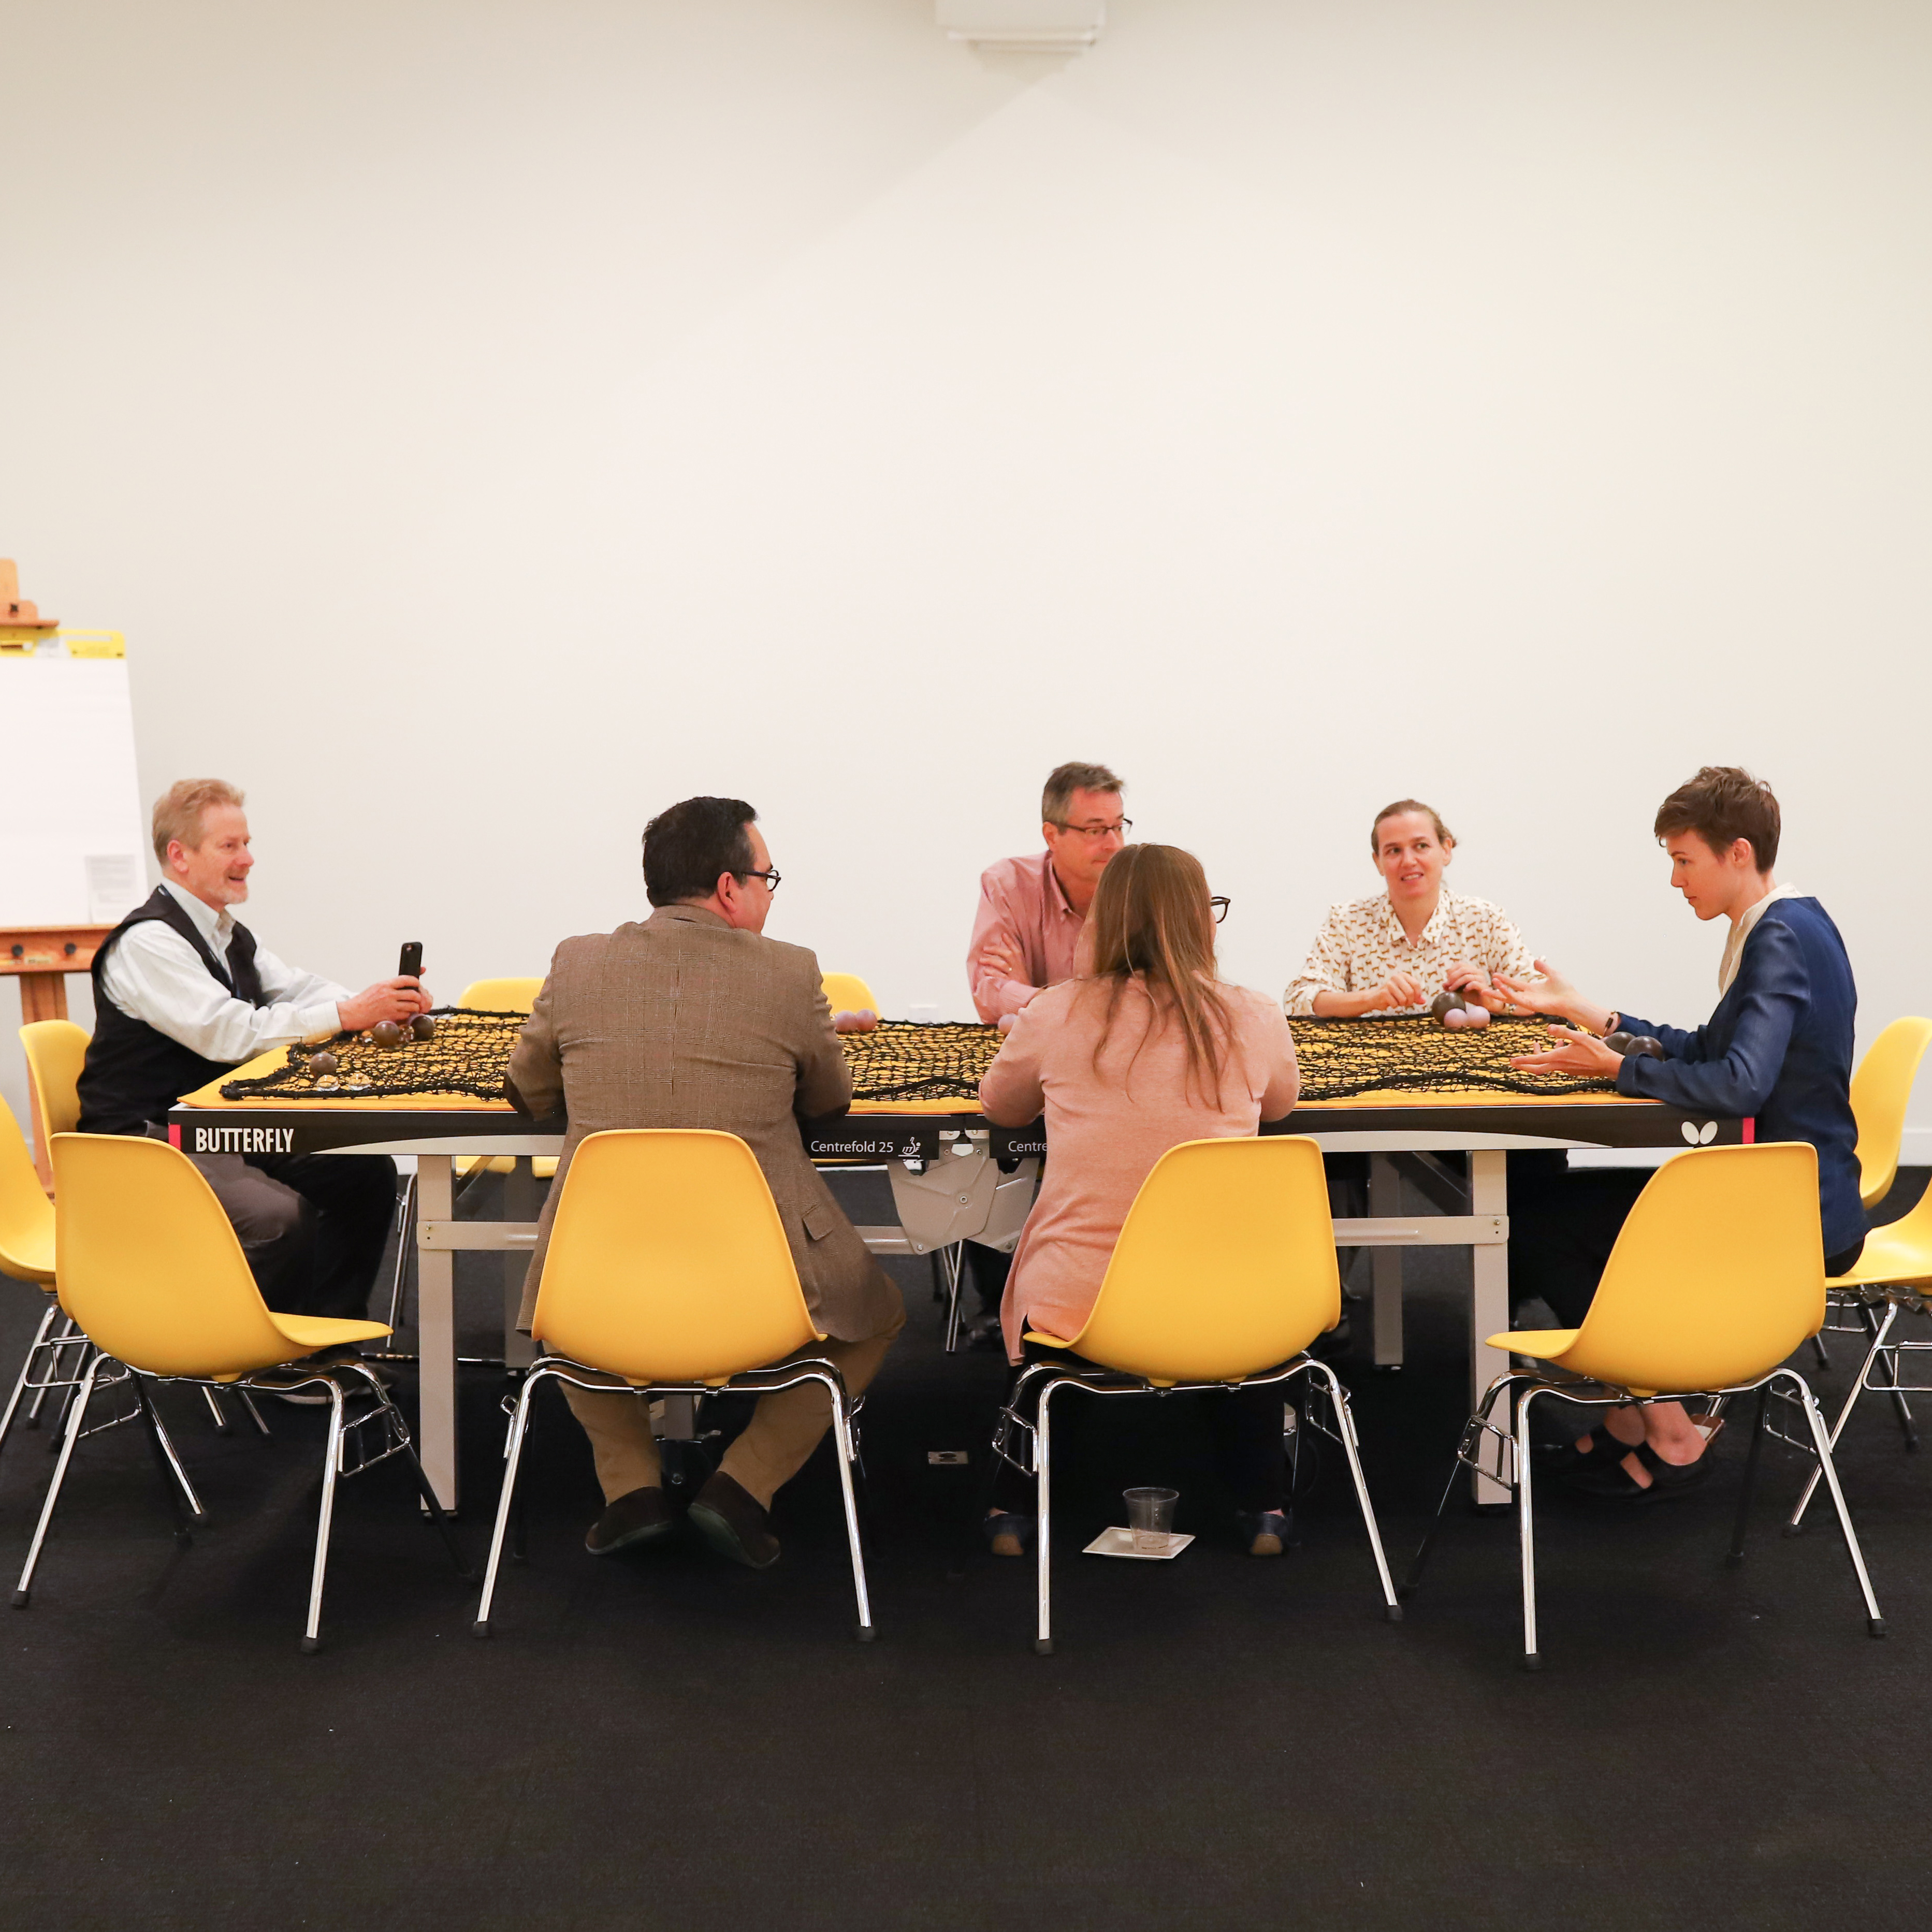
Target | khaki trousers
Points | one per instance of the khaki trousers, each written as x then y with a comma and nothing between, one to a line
785,1429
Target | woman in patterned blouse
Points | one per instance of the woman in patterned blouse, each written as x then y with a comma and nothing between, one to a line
1393,953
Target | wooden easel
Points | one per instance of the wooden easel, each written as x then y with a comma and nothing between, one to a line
41,957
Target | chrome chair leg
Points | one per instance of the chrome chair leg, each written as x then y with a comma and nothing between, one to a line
841,1428
213,1403
69,1333
1880,1330
20,1385
1043,1460
1752,1457
953,1265
254,1413
1874,1622
1900,1407
1822,1355
325,1519
174,1477
406,1228
1526,1517
1345,1427
513,1457
76,1410
1484,1410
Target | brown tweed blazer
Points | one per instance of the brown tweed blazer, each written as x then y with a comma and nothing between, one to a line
685,1022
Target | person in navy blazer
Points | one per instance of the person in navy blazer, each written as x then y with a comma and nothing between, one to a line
1778,1049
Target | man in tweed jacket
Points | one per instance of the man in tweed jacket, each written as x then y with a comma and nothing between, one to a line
694,1019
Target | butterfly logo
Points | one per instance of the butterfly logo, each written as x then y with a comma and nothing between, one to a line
1698,1136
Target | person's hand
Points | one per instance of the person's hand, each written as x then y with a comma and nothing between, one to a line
1577,1053
1003,957
1551,993
388,999
1465,976
1399,989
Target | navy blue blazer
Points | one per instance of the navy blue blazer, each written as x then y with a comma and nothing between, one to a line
1778,1046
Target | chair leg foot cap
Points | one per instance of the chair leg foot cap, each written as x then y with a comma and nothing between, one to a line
480,1628
1911,1444
866,1632
1042,1646
1532,1660
1793,1529
1875,1626
310,1645
1392,1613
20,1600
1734,1559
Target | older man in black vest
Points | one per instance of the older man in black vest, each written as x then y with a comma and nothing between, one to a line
181,994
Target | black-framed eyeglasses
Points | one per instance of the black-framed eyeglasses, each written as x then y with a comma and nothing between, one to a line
1220,905
771,876
1123,826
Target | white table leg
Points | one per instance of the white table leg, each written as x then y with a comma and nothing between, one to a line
1489,1298
519,1204
1385,1264
435,1331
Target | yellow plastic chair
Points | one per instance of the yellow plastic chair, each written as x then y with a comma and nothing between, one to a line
1717,1277
56,1050
847,993
1881,1089
1224,1273
152,1270
668,1270
1893,1274
27,1254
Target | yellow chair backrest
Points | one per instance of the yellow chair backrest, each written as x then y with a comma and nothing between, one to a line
1226,1265
847,993
667,1260
26,1214
1717,1275
1881,1088
148,1264
501,996
56,1050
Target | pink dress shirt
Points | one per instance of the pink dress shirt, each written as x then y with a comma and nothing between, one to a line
1021,902
1105,1128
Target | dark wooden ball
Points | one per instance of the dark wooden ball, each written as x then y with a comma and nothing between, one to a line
422,1026
324,1062
1445,1004
386,1033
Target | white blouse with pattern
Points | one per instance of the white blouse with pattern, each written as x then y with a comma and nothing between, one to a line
1359,945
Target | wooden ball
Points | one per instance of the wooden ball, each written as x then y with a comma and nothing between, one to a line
1455,1018
866,1021
422,1026
321,1062
385,1033
1476,1016
1445,1004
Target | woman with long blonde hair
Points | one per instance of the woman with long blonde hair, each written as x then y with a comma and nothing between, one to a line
1145,1048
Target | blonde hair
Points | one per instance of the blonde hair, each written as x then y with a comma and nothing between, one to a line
179,811
1443,836
1151,921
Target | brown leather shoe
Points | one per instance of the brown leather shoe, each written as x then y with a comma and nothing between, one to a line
729,1518
640,1515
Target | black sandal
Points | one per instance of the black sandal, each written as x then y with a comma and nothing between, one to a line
1616,1484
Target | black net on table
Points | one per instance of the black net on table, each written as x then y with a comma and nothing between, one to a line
914,1060
470,1054
1342,1058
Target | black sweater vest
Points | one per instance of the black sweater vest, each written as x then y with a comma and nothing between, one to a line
134,1073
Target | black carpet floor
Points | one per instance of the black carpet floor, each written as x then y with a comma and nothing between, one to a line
671,1743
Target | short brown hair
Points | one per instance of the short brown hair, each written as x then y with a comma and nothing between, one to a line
1443,836
179,811
1064,781
1722,803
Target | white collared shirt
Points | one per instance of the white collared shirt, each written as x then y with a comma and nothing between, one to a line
1361,943
154,975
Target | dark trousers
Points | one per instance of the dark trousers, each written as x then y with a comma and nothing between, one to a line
989,1269
1245,1424
1563,1225
312,1225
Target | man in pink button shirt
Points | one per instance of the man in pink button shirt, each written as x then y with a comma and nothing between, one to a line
1025,935
1031,910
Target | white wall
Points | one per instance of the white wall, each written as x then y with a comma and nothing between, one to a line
490,420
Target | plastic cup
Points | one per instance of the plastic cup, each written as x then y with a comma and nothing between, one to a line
1150,1518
